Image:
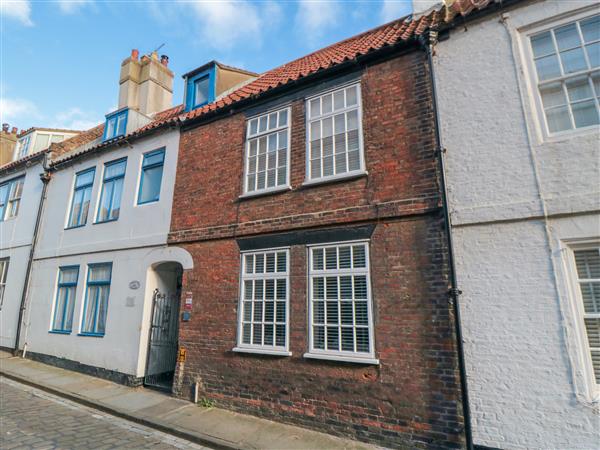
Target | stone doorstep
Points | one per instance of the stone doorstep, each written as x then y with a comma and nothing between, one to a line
214,427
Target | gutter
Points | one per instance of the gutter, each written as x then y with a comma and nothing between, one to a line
454,292
45,178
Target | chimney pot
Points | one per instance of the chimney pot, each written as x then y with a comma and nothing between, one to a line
134,54
5,127
14,130
154,55
164,60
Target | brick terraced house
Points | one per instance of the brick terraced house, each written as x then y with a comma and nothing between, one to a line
309,200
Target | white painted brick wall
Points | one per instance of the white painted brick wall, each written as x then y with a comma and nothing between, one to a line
516,319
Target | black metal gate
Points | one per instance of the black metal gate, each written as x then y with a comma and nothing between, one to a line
162,346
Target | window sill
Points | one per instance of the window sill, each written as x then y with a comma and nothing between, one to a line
99,335
59,332
336,178
75,227
342,358
261,351
147,202
570,134
106,221
265,192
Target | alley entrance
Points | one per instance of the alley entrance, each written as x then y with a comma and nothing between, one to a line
162,345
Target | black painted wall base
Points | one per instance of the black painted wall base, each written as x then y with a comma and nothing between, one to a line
99,372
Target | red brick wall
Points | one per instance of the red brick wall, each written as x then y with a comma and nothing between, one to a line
412,397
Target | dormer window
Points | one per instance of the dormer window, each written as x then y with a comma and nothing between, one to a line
204,84
200,89
24,146
116,124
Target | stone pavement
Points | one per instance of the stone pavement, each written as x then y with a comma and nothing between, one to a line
33,419
213,427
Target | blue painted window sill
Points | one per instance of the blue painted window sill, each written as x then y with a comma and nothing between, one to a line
91,334
60,331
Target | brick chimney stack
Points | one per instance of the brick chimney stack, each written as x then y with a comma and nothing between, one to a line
145,84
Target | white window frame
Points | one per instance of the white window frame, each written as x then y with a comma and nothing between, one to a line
23,145
583,347
342,355
532,80
255,348
257,135
361,152
4,264
9,200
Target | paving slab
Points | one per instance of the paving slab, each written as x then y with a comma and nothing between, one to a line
214,427
163,409
134,401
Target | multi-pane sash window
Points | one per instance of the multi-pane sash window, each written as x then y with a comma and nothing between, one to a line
334,133
588,273
112,188
264,300
10,197
65,299
152,171
340,300
567,62
81,198
96,299
267,151
3,275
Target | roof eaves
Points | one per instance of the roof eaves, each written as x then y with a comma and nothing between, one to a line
14,166
143,131
212,109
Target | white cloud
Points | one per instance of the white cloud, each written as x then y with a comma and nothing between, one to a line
75,119
395,9
72,6
17,110
314,17
219,24
19,10
224,24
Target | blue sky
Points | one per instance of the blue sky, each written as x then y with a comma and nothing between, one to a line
60,60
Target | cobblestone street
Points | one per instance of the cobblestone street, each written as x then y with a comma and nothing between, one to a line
32,419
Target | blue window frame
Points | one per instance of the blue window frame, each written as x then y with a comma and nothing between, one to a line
10,197
95,307
65,299
151,177
82,194
112,189
200,89
116,124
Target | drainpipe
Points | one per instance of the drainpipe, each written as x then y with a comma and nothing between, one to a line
45,177
428,43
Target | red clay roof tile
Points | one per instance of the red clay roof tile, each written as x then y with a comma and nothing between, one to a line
401,30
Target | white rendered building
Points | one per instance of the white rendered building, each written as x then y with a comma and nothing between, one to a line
518,94
103,276
20,192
